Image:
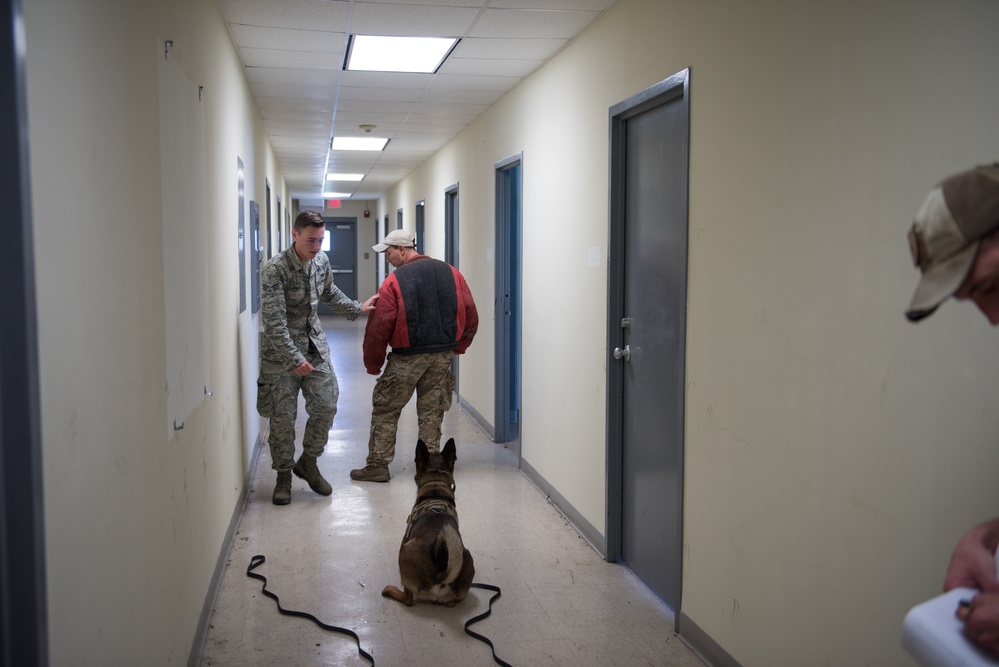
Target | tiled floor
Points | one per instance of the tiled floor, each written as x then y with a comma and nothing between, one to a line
561,603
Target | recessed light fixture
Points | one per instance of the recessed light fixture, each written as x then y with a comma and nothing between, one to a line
336,195
377,53
358,143
344,177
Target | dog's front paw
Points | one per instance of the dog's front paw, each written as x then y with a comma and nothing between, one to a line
391,591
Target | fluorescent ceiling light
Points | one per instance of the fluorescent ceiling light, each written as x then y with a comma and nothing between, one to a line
358,143
344,177
336,195
375,53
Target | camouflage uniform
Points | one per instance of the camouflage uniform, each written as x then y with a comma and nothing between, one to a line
425,312
431,376
290,294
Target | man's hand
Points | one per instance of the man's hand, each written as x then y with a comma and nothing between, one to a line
981,620
369,305
973,562
304,369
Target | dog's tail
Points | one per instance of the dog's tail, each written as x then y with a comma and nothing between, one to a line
449,553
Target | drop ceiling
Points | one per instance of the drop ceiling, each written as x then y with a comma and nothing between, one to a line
292,51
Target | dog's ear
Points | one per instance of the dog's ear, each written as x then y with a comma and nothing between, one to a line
422,455
450,454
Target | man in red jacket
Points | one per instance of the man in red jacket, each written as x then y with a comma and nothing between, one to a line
426,313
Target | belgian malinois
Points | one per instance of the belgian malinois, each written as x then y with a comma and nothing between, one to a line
434,564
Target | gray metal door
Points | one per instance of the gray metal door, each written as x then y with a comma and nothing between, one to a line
341,233
649,145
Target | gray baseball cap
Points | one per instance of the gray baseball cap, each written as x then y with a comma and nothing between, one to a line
945,236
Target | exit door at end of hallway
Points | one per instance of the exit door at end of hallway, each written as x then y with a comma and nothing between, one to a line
340,246
646,333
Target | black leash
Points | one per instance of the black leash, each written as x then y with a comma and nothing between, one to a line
483,615
258,560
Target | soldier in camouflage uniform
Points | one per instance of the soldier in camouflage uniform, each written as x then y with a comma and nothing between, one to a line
425,311
294,354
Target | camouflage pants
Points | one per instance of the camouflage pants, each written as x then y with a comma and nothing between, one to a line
430,375
321,392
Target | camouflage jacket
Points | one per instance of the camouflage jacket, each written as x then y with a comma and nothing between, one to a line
290,292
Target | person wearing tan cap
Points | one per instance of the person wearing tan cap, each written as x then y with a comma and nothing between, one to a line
426,314
954,242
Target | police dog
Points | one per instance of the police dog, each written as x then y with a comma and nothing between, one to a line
434,564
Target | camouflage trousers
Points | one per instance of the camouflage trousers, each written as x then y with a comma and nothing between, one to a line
431,377
278,394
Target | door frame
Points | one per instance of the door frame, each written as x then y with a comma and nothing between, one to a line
23,606
676,87
332,221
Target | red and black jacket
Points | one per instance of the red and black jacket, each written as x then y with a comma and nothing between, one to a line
423,306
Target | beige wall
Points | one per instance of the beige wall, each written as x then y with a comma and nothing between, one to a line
834,451
134,519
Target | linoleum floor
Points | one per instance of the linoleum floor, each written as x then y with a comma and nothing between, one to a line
561,603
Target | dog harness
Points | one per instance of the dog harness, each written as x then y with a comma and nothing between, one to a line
434,504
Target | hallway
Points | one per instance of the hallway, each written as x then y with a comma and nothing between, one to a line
561,603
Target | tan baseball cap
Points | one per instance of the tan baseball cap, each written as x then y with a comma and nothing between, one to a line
395,237
945,236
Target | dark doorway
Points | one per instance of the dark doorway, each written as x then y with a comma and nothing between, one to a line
508,299
451,247
420,227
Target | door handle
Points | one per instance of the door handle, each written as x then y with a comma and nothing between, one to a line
623,354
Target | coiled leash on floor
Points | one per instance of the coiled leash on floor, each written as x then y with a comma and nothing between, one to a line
483,615
258,560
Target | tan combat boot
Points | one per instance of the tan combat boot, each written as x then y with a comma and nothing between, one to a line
307,469
282,490
371,473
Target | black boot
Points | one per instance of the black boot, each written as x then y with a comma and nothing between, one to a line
282,490
307,469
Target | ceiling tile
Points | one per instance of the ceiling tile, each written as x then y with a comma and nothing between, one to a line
499,84
292,90
379,94
308,77
531,23
422,20
287,39
387,79
515,48
290,59
589,5
302,14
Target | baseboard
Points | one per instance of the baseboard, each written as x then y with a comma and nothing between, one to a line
586,530
201,635
702,643
483,423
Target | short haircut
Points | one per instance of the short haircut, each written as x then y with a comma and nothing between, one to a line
308,219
